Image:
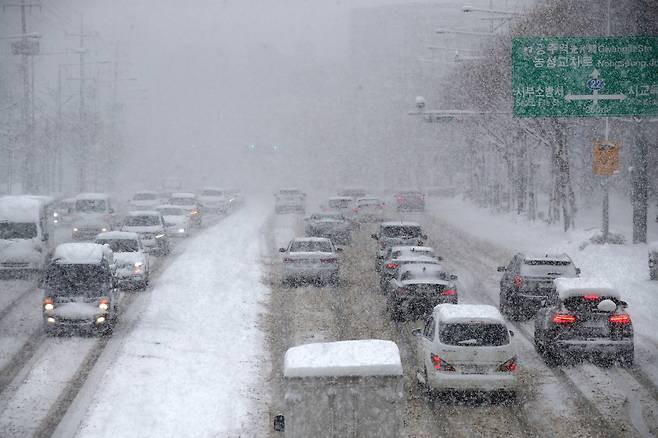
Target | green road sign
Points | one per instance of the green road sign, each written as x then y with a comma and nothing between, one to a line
585,77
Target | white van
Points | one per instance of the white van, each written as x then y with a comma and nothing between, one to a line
351,388
25,233
466,347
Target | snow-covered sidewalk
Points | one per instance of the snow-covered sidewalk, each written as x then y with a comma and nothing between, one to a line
194,364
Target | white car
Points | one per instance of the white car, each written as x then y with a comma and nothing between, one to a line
131,260
176,219
93,214
310,258
214,201
466,347
150,226
190,202
369,209
144,200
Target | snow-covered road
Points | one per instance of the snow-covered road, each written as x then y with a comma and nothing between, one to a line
193,365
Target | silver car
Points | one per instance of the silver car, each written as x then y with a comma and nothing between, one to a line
130,257
333,226
312,259
396,233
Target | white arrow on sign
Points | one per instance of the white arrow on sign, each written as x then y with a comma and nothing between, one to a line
595,97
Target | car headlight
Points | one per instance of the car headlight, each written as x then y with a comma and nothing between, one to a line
181,230
103,306
75,230
159,236
138,264
104,229
55,214
48,306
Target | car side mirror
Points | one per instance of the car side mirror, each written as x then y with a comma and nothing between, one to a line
577,271
511,333
416,332
453,277
374,236
424,237
501,269
439,258
623,304
279,423
282,250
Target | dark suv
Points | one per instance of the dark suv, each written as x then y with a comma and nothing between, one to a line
590,319
528,281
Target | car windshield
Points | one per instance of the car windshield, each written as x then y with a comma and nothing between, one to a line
75,279
172,211
145,197
210,192
548,268
142,221
90,205
401,231
368,202
181,201
18,230
473,334
310,246
120,245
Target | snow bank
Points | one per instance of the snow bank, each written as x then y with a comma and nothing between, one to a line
194,364
371,357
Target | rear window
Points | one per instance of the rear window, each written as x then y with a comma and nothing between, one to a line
366,202
582,304
310,246
145,197
142,221
548,268
120,245
473,334
401,231
420,275
72,280
181,201
340,203
212,193
18,230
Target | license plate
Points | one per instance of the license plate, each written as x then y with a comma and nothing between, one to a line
474,369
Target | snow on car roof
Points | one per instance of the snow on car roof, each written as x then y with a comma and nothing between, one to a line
465,313
92,196
19,209
556,257
423,267
359,358
75,253
311,239
412,248
143,213
400,224
122,235
417,258
578,287
341,198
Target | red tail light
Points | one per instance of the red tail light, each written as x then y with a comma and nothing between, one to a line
449,293
591,297
48,300
508,366
392,265
518,281
104,300
327,261
622,318
440,364
563,318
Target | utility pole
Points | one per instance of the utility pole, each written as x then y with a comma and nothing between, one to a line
27,46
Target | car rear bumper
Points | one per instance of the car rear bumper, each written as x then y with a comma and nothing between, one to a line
602,346
312,271
446,381
290,209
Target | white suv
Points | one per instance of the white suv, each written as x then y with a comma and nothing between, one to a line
466,347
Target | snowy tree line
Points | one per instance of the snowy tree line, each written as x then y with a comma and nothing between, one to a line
515,163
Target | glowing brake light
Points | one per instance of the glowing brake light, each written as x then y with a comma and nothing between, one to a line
518,281
591,297
563,318
440,364
623,318
392,265
509,365
449,293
